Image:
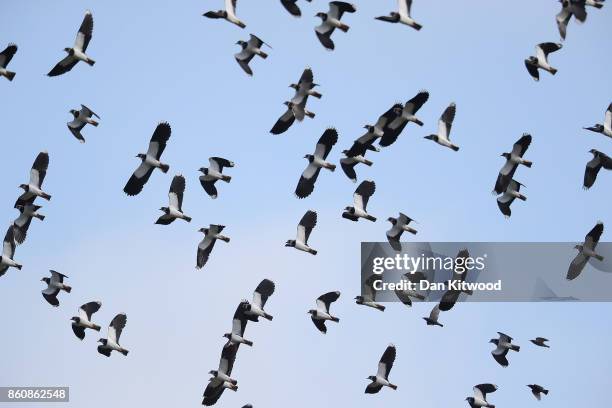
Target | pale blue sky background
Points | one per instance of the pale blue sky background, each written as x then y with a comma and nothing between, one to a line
160,60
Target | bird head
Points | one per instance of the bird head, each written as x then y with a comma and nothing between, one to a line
24,187
227,335
312,312
203,170
349,209
213,372
74,112
506,155
74,318
103,341
595,128
69,50
579,247
241,43
165,209
594,151
203,230
321,15
310,157
294,86
141,156
290,243
359,298
494,341
371,378
432,137
369,128
46,280
392,220
470,400
288,104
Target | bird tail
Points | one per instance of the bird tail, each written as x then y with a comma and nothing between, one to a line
248,343
10,75
311,115
91,64
553,71
331,167
40,217
418,121
393,386
312,251
124,352
268,316
455,148
522,197
344,28
368,162
93,122
96,327
545,392
68,289
599,257
598,5
225,239
187,218
227,179
381,308
515,347
491,406
527,163
263,54
46,196
164,168
316,95
335,319
417,26
19,266
370,218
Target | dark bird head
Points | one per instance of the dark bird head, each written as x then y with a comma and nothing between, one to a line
470,400
595,152
141,156
595,128
24,187
532,60
494,341
345,152
75,319
359,299
506,155
165,209
432,137
203,230
203,170
310,157
392,220
288,104
242,43
350,210
20,207
46,280
74,112
312,312
213,372
103,341
70,51
369,128
579,247
371,378
294,86
290,243
227,335
322,16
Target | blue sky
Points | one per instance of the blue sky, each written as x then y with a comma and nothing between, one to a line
162,61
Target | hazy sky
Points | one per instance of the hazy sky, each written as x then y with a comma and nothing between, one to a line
162,61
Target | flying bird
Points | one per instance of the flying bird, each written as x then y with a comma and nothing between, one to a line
540,60
292,7
503,343
77,52
537,391
5,57
34,188
150,160
444,127
175,207
575,8
600,160
321,313
402,15
22,223
249,50
540,341
405,294
228,14
606,128
451,296
83,320
8,252
294,111
263,291
399,225
356,154
239,323
381,379
316,162
512,192
408,114
81,118
331,20
362,194
479,400
304,228
432,320
513,159
111,342
55,284
213,173
211,235
368,296
305,87
586,251
221,378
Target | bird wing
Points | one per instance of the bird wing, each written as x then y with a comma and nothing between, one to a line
368,287
608,118
448,300
57,277
481,390
388,117
85,31
306,80
88,112
159,139
7,55
306,225
88,309
324,301
563,18
213,392
239,322
263,291
116,327
543,49
532,69
404,7
8,246
175,195
435,313
324,32
204,249
283,123
228,357
504,338
63,66
363,193
326,142
504,202
520,147
592,238
591,171
338,8
373,388
413,105
348,167
39,169
446,121
307,181
138,179
578,10
361,144
291,7
386,362
319,324
576,266
209,187
51,297
255,41
218,163
20,227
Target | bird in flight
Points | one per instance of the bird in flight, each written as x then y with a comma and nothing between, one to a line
362,194
331,20
432,320
228,14
407,115
316,162
55,284
205,247
537,391
402,15
175,207
249,50
503,343
111,342
540,342
5,57
81,118
540,60
8,252
263,291
381,379
221,378
239,322
399,225
83,320
77,52
479,400
368,293
304,228
292,7
606,128
586,251
513,159
505,200
444,127
34,188
22,223
321,314
600,160
213,173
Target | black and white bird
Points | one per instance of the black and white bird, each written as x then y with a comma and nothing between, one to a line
304,228
292,7
316,162
445,124
150,160
5,57
263,291
407,115
600,160
55,284
34,188
174,210
8,252
402,15
213,173
540,60
356,155
22,223
451,296
586,251
575,8
111,342
540,342
381,379
606,128
479,400
228,14
77,52
504,344
83,320
362,194
81,118
331,20
321,314
513,159
305,87
537,391
406,294
399,225
205,247
294,111
368,293
249,50
381,127
239,322
505,200
432,320
221,378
